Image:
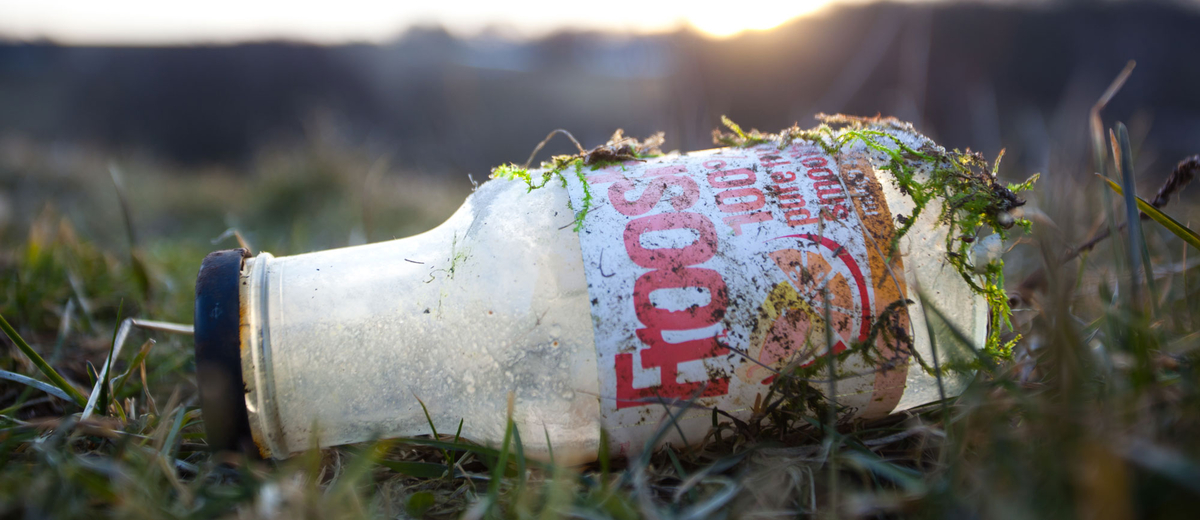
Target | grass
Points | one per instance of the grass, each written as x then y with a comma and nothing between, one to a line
1097,416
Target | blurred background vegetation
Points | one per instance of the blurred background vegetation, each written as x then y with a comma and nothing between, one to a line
222,122
122,166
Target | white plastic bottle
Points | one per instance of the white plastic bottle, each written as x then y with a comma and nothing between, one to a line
691,275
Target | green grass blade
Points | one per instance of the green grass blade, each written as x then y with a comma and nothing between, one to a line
907,478
419,503
429,419
457,436
106,374
602,455
549,445
1172,225
34,383
832,438
44,367
683,475
937,365
1131,213
116,405
168,447
675,463
119,382
643,460
493,490
690,482
1135,223
140,274
415,469
519,449
709,508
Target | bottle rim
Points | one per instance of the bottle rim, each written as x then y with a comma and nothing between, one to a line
217,348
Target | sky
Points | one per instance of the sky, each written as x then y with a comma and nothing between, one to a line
148,22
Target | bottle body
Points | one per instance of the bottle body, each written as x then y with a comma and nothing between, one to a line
699,277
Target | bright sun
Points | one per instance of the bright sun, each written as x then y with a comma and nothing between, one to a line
725,20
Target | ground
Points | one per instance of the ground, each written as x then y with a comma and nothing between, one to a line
1095,416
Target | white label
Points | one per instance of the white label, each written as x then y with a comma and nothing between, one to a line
707,271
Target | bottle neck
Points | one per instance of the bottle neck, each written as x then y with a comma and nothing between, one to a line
492,302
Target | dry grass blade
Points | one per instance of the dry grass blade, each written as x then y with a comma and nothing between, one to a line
233,232
64,329
539,146
708,508
163,326
1096,124
1180,177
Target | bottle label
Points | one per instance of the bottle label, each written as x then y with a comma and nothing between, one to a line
711,272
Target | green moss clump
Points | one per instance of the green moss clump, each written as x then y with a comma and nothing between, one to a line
550,170
971,197
617,150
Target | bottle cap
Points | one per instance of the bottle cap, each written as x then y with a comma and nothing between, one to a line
218,353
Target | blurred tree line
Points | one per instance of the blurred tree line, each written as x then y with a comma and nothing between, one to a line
970,75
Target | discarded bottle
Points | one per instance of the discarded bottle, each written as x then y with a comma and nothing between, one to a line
700,275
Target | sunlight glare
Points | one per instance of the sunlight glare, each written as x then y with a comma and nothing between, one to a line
724,20
158,22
